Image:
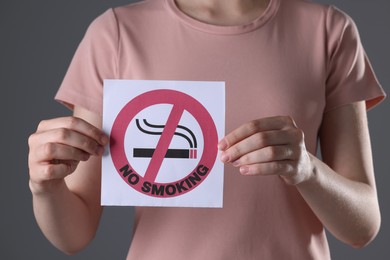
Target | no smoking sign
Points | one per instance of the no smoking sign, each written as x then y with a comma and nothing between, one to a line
163,143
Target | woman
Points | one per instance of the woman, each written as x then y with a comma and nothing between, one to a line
295,73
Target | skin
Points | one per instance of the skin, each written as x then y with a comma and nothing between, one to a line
222,12
65,154
64,162
340,190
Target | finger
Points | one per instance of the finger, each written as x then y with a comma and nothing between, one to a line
56,170
59,152
46,140
255,142
260,125
268,154
283,168
76,124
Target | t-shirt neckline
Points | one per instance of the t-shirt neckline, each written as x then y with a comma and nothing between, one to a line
227,30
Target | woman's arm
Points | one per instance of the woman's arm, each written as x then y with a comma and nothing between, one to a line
340,190
64,162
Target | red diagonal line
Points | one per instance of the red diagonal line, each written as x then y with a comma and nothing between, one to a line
163,143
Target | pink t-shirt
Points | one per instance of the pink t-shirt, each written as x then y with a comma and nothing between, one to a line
299,59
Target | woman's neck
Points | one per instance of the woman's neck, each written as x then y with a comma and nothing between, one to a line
223,12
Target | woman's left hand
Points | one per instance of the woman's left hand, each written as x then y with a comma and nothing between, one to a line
269,146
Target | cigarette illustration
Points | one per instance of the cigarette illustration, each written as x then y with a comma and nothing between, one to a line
181,131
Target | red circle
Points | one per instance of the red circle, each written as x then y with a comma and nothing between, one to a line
163,96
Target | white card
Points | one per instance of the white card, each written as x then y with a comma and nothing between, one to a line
163,143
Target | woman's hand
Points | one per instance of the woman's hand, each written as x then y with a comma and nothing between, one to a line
268,146
56,149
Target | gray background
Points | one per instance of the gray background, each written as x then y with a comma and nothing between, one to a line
37,41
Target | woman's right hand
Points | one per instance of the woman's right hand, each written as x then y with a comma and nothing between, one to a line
56,149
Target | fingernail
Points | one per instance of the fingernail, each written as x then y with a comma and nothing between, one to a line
224,157
100,150
222,145
236,163
244,170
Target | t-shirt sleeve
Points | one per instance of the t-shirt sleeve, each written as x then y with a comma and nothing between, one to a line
95,60
350,77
